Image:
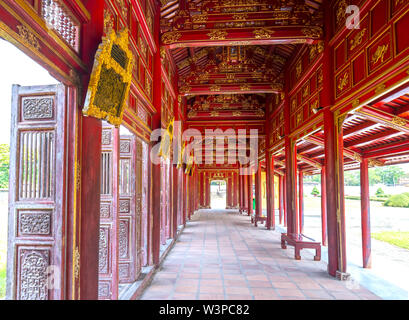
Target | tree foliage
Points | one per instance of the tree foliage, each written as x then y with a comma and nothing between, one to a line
4,166
388,175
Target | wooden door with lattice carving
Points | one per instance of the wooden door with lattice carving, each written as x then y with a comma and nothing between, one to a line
129,208
108,232
144,203
36,193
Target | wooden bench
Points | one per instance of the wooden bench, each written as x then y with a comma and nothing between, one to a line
253,216
298,241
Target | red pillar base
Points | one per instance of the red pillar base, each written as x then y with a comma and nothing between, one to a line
342,276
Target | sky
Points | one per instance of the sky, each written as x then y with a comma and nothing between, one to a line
16,68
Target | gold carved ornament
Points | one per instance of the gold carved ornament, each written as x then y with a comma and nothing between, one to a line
298,69
312,32
215,88
263,33
217,35
189,166
181,156
166,141
245,87
28,37
379,54
343,82
399,121
171,37
110,79
357,40
375,163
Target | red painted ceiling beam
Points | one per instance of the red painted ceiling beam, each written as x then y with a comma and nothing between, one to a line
213,89
359,128
242,36
320,142
372,138
384,118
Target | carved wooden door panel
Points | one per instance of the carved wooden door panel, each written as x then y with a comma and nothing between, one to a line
144,203
167,200
108,232
139,187
163,202
36,194
127,207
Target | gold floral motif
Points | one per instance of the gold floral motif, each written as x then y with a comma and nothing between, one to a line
357,157
260,113
312,32
185,88
171,37
299,118
191,113
162,52
293,105
320,46
214,114
240,16
380,53
214,88
375,163
320,77
355,103
314,105
341,12
217,35
380,88
357,40
245,87
399,121
200,18
277,86
236,113
28,37
343,82
298,69
263,33
306,92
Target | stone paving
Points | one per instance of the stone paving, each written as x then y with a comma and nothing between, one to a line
220,255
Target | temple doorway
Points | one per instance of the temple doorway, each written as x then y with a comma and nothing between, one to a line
29,140
218,194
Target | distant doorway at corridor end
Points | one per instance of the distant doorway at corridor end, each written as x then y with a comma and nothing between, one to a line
218,194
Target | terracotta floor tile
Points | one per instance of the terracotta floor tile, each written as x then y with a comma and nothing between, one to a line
208,289
221,255
290,293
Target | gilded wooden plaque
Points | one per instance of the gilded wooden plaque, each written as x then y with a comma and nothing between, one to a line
110,80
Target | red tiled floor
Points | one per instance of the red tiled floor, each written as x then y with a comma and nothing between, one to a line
220,255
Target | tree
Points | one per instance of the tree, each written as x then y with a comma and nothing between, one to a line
390,174
352,178
4,166
380,192
315,192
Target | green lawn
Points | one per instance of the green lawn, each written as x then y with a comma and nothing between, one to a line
399,239
3,259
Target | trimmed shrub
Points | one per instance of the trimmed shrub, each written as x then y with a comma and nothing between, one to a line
380,192
315,192
398,200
